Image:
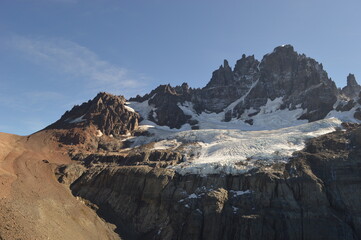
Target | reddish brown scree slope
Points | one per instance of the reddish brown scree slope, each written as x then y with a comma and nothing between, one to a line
33,205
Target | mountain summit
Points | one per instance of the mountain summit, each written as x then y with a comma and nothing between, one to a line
107,112
283,81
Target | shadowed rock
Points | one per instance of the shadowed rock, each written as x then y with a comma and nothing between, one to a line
107,112
352,89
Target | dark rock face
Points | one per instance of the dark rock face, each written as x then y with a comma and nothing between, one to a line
227,85
167,111
357,114
314,196
106,111
352,89
153,158
297,79
165,99
345,106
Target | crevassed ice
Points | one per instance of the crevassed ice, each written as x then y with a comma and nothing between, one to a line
235,151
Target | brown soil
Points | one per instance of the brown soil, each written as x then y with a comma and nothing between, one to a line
33,205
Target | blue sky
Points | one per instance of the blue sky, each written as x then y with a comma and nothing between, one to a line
58,53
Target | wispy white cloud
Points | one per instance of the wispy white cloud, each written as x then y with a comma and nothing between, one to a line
78,61
75,74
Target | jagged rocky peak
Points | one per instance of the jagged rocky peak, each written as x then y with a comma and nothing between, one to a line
352,89
285,48
225,76
246,66
222,76
351,80
107,112
282,59
164,101
297,79
167,94
166,89
283,80
227,85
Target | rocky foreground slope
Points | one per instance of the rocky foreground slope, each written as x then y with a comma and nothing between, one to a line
263,151
32,203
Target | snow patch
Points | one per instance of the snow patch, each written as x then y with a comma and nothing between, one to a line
193,195
77,120
269,117
239,193
347,116
235,209
143,108
154,114
166,144
235,103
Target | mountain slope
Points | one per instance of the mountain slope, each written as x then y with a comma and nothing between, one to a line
33,205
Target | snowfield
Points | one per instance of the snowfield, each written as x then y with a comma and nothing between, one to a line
233,151
234,147
269,117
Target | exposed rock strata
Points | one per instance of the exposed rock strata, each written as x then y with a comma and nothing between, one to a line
314,196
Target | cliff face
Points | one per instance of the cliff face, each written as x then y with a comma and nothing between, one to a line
227,85
313,196
299,80
352,89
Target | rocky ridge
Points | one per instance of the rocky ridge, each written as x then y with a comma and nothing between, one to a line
107,112
298,81
105,115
